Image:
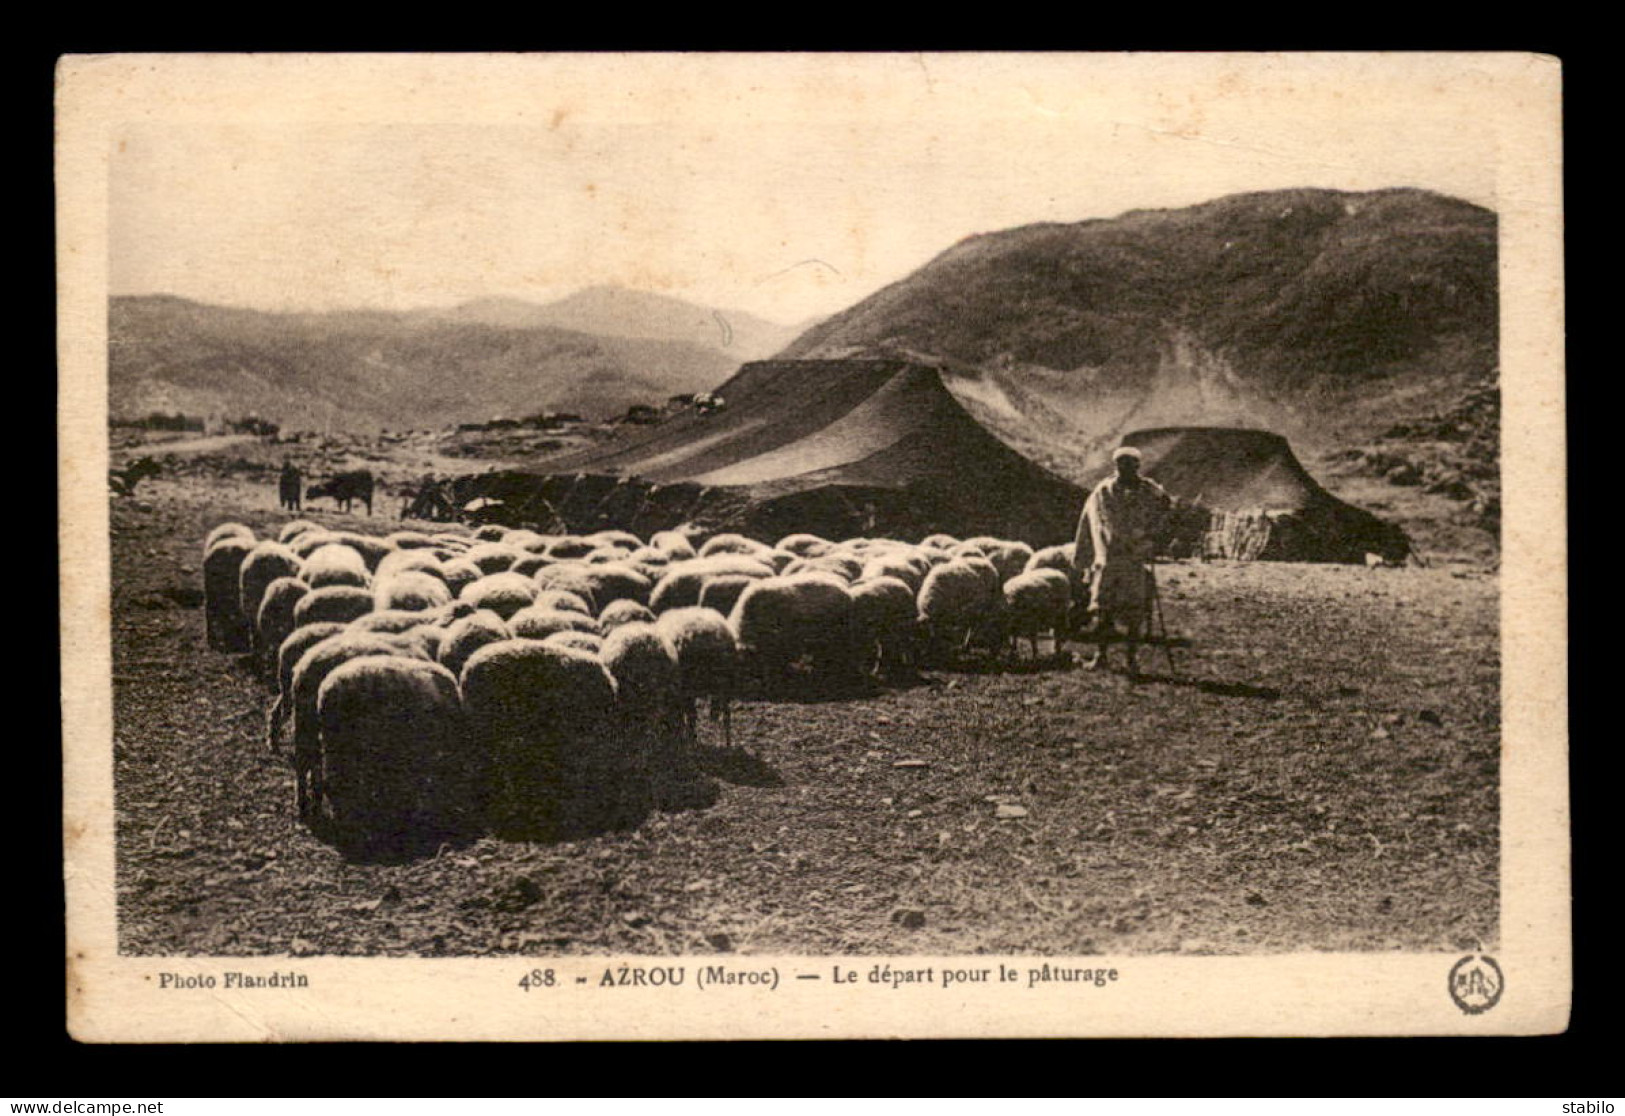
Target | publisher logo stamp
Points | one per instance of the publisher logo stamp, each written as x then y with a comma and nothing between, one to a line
1476,983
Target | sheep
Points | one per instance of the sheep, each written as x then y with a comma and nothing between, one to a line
569,577
468,635
608,583
306,543
898,566
418,559
562,600
391,621
392,747
502,593
722,592
580,641
1009,558
529,565
459,574
885,617
568,548
621,612
683,581
493,557
372,551
624,539
335,564
734,544
526,540
939,542
305,686
1064,558
490,532
263,565
538,623
674,544
288,655
293,529
606,554
707,664
805,546
779,620
274,621
1037,601
227,627
410,589
536,713
654,745
334,602
410,540
228,530
955,597
845,566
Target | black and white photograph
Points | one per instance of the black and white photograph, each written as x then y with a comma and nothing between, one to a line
972,529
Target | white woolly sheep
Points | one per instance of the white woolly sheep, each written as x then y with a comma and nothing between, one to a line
707,664
682,583
621,612
226,627
493,557
579,641
274,621
335,564
1009,558
372,550
304,688
536,714
885,616
956,598
392,751
898,566
288,655
650,728
674,544
722,592
229,530
490,532
468,635
616,582
562,600
502,593
539,623
264,564
342,603
410,589
805,546
569,547
1034,602
569,577
459,574
735,544
780,620
306,543
624,539
410,540
939,542
416,559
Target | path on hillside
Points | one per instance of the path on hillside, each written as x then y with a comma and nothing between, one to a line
191,445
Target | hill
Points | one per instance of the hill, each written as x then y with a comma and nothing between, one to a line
364,370
609,311
1323,315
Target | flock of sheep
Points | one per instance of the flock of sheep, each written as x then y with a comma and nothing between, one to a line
535,684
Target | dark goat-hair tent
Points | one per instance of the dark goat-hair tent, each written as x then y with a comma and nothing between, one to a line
833,447
1244,494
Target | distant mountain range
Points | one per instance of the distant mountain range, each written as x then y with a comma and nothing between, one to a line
595,353
1323,315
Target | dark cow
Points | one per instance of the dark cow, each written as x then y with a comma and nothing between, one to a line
123,481
344,489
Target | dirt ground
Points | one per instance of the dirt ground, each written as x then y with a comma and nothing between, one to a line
1318,772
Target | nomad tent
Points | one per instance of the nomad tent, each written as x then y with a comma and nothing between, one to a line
1245,495
833,447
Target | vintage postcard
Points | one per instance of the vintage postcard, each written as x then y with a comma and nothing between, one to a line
678,546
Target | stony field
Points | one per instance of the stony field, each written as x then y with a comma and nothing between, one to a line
1318,772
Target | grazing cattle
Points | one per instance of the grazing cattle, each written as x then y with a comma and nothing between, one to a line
290,485
123,481
344,489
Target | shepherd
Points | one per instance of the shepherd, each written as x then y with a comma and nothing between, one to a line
291,484
1122,522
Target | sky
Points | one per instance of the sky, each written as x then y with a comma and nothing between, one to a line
786,186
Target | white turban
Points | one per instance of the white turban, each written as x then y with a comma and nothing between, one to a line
1125,451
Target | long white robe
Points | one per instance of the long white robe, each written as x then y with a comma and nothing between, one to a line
1122,522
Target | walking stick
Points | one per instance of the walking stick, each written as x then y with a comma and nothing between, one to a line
1159,627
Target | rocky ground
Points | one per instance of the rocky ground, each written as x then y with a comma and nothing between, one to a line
1319,772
